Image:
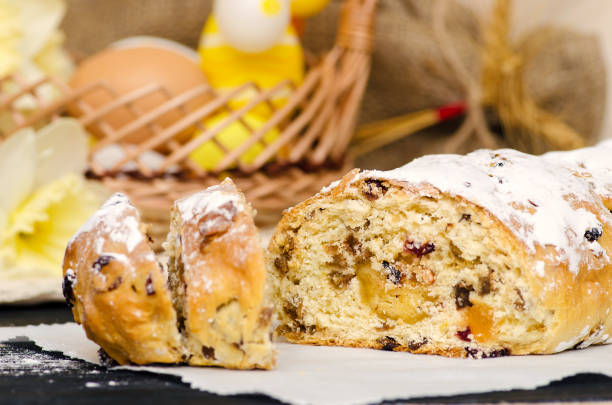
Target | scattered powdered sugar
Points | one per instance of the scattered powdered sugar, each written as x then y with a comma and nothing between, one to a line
333,185
208,201
150,256
593,163
132,237
30,361
540,266
111,221
115,203
533,197
114,383
204,284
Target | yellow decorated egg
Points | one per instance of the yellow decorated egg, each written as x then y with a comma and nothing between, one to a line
252,25
226,67
209,154
307,8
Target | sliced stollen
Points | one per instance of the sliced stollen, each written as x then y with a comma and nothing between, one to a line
207,308
117,288
488,254
217,276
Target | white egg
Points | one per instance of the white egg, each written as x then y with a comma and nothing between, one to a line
252,25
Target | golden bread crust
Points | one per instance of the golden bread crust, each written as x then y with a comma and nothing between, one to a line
210,311
119,291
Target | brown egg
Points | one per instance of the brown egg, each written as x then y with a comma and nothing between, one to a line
133,64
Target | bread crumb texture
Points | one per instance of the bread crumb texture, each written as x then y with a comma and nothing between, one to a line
485,255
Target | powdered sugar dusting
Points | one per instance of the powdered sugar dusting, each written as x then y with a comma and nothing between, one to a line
540,267
535,198
111,222
208,201
593,164
131,238
330,187
29,361
213,211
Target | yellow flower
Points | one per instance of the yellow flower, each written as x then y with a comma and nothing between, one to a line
39,229
45,198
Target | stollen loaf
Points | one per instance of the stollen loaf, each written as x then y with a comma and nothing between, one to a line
489,254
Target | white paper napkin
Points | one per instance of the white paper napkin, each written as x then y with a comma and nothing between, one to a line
343,376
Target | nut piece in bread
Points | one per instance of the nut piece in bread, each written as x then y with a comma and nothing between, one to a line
207,309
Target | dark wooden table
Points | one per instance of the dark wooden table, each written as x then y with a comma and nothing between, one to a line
31,375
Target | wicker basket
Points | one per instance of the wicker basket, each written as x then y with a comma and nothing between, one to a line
315,124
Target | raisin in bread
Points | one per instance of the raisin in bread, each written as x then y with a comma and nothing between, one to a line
207,308
489,254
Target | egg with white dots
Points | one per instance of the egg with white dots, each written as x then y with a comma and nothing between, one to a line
252,25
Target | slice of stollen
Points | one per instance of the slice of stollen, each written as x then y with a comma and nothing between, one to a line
207,308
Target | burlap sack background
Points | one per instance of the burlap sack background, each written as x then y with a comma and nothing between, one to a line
401,45
90,25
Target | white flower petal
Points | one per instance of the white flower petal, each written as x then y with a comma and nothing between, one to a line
61,148
17,168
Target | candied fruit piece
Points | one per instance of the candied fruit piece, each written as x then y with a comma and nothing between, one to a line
464,334
419,249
